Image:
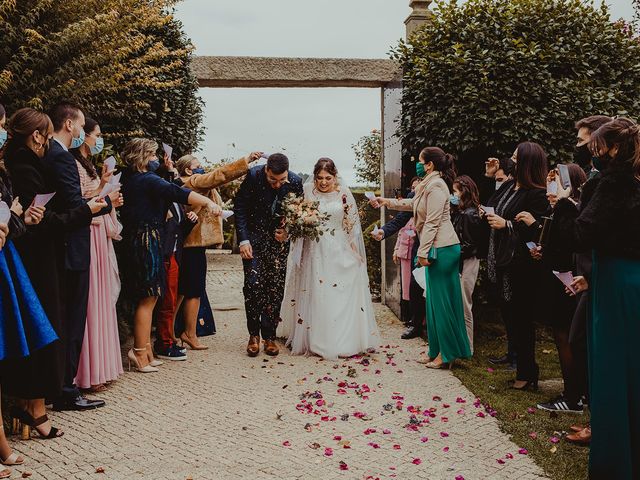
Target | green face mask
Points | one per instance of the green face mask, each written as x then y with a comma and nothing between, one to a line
420,169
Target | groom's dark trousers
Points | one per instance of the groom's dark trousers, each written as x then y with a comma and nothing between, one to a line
257,211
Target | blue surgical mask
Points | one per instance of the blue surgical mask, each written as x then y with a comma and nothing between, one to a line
78,141
99,146
198,170
153,165
455,200
3,137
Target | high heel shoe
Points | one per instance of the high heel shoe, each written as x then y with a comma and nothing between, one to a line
154,362
184,339
438,366
133,359
23,422
530,385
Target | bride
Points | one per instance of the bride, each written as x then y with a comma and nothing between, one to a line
327,308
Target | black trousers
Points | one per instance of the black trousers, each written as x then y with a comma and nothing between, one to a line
418,305
578,343
76,298
264,278
523,312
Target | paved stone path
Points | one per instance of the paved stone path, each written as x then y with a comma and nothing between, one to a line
222,415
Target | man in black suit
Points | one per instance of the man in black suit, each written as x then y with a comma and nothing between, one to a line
264,246
75,253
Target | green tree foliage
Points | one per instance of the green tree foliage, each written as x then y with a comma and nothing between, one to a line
126,62
368,153
487,74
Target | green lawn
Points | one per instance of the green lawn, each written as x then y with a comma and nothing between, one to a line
533,431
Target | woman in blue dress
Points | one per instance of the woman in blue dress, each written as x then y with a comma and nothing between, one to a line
24,326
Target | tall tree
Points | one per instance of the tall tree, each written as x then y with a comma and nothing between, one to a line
368,152
126,62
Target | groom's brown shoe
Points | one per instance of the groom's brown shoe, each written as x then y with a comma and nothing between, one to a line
253,347
270,348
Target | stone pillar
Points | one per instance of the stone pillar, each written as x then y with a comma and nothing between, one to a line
419,16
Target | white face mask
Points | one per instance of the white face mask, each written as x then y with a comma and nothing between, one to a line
498,185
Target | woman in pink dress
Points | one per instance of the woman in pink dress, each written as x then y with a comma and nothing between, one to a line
403,250
101,358
402,255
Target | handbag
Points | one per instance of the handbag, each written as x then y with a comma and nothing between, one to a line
432,256
506,249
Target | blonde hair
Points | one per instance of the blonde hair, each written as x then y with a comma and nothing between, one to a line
138,152
183,163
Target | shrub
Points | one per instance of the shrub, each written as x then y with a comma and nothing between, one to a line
487,74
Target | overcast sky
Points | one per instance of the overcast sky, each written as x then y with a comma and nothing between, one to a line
304,123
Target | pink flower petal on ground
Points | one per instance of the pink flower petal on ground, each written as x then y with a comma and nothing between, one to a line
328,452
392,468
460,400
490,370
554,439
460,412
436,398
320,403
369,431
386,431
378,372
459,477
373,445
523,451
344,466
337,438
500,461
533,435
531,410
416,461
480,414
445,449
396,447
424,439
286,443
444,434
509,456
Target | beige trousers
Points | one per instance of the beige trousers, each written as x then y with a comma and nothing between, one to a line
468,278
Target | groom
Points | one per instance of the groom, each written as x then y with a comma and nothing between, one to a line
264,246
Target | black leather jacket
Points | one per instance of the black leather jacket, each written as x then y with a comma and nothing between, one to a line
468,225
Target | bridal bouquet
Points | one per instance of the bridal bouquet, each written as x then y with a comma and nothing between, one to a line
302,219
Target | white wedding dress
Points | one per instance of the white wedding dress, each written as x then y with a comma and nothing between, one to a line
327,308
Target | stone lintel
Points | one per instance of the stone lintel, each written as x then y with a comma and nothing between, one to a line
261,72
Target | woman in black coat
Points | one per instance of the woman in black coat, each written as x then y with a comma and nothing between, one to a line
41,374
510,266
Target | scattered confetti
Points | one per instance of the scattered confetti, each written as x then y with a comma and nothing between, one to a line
416,461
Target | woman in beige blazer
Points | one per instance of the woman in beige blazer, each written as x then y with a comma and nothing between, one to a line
206,233
439,252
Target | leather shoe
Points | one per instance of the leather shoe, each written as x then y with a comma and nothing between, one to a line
270,348
409,333
78,403
583,437
253,347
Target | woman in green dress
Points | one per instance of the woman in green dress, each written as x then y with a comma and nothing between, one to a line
609,224
439,251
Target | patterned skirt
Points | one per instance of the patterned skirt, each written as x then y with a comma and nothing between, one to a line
143,268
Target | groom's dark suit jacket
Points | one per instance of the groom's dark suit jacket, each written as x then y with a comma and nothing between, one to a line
258,207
